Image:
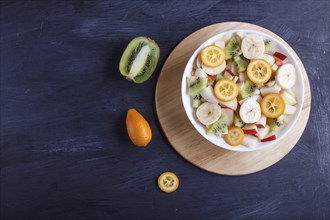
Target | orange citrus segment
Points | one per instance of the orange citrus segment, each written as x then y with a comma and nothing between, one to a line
213,56
138,128
226,90
235,136
272,105
168,182
259,71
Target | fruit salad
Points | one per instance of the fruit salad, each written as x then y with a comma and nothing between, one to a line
241,89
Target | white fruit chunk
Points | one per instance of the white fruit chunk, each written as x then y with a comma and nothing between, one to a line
267,90
290,110
231,104
255,97
208,95
249,140
242,77
200,73
274,67
288,98
268,58
286,76
271,83
216,70
250,129
198,61
220,43
227,75
253,46
228,114
261,123
250,111
262,132
208,113
240,86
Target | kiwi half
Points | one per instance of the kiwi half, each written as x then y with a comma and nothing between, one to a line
233,47
197,101
196,85
219,127
241,63
269,45
249,89
274,124
139,59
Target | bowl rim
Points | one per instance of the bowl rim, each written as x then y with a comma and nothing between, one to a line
220,142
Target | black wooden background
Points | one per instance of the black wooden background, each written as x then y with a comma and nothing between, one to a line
65,153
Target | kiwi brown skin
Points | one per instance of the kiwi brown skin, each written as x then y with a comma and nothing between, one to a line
130,54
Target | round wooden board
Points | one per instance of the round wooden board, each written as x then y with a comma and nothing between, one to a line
183,136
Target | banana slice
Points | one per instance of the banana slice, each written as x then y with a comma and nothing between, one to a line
286,76
216,70
250,111
253,46
208,113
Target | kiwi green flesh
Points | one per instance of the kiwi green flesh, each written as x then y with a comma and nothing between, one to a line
238,121
196,102
233,47
248,89
273,123
219,127
241,63
269,45
131,52
196,85
219,77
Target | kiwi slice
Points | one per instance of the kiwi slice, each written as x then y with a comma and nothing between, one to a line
273,123
139,59
219,77
238,121
241,63
197,101
269,45
249,89
219,127
196,85
233,47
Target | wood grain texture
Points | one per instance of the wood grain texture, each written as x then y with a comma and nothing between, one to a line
65,153
183,136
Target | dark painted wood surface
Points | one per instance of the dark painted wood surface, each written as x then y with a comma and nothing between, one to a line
65,153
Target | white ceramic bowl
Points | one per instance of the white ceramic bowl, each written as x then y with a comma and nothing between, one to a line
298,89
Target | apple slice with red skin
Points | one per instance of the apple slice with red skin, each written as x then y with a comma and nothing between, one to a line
231,104
270,137
228,75
262,122
250,140
228,114
279,56
212,77
230,72
279,63
263,132
250,129
250,97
